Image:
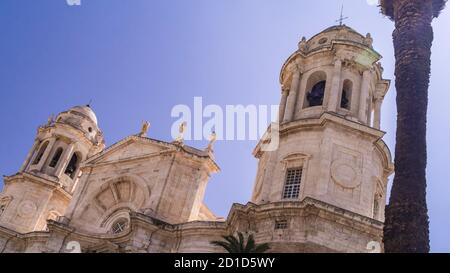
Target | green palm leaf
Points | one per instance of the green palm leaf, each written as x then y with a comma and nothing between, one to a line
251,244
225,245
241,242
238,244
262,248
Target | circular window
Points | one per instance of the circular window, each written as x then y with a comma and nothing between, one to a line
323,41
119,226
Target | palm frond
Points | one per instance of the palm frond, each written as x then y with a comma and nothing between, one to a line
239,245
233,242
251,245
262,248
224,245
241,242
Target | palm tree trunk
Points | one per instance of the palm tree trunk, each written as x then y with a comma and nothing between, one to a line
407,226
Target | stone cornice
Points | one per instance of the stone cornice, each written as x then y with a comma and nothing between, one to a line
301,205
170,148
53,185
306,207
36,235
77,132
330,117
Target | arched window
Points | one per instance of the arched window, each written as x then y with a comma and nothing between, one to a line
315,89
119,226
40,153
346,94
56,157
72,166
315,96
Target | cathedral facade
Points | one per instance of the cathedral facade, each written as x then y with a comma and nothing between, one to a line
322,190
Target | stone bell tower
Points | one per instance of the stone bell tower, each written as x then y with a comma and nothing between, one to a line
44,186
330,148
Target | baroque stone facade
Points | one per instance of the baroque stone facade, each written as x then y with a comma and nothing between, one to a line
322,190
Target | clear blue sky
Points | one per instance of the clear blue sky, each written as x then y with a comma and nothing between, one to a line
137,59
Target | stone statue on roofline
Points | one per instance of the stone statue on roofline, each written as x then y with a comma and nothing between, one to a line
144,129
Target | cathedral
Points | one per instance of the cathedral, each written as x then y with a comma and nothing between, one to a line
323,189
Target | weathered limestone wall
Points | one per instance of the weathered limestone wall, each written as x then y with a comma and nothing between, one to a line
312,226
143,176
32,201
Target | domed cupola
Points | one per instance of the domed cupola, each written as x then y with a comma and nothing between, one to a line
334,34
63,144
85,111
84,119
336,71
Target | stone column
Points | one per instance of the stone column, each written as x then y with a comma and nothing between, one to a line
46,154
78,193
30,155
335,86
64,160
377,115
292,98
284,96
364,96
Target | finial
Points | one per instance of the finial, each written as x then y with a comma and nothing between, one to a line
368,41
212,140
181,130
302,45
144,129
342,18
50,120
380,67
89,103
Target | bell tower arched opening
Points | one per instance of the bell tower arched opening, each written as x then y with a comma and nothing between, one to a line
40,154
72,166
346,95
315,89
